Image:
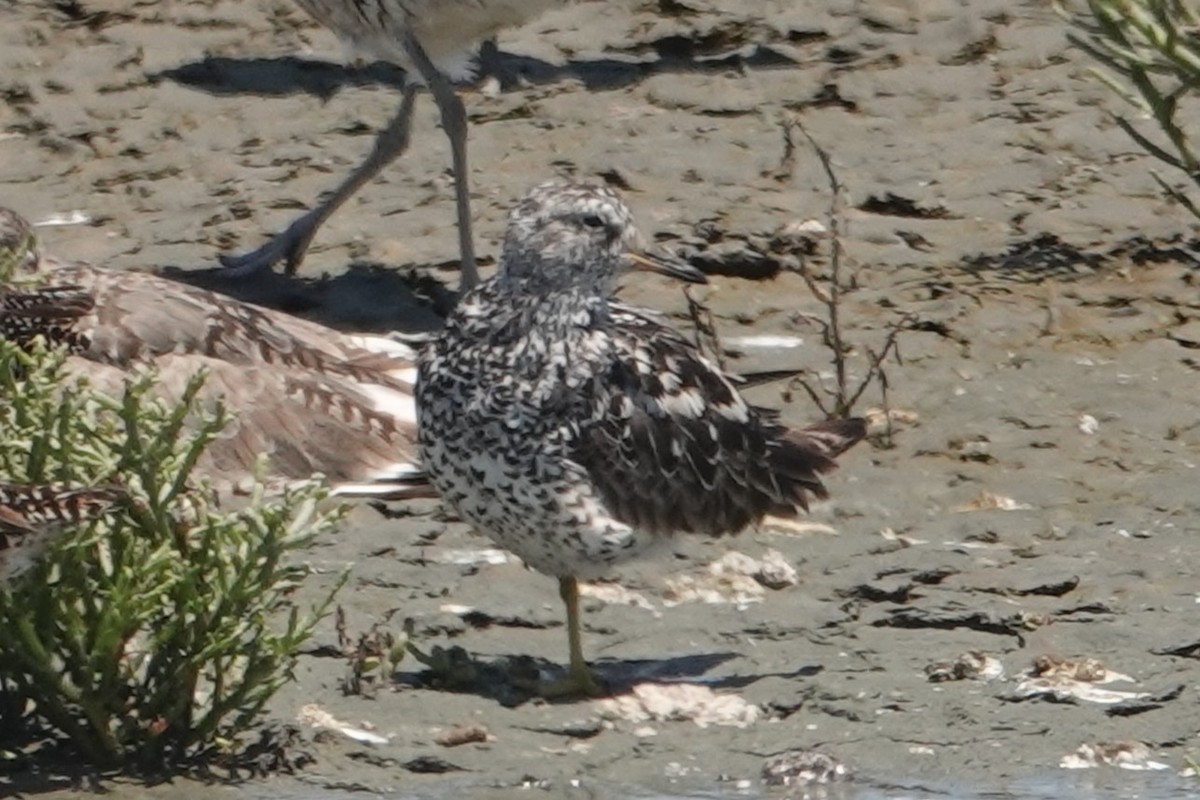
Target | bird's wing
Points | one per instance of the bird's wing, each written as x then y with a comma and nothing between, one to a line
139,316
33,515
45,504
361,436
52,312
672,446
310,398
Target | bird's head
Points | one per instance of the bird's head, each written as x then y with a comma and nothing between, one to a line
578,236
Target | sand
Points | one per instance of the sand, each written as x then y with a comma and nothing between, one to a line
1036,503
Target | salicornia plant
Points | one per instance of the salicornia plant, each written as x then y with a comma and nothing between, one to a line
158,633
1150,56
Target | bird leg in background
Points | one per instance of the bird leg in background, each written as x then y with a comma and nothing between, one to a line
291,245
454,123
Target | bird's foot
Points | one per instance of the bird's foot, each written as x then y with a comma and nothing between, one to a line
288,247
577,683
496,77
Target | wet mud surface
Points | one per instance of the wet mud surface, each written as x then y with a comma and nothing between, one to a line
1037,507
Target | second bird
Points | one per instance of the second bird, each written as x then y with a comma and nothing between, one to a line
435,42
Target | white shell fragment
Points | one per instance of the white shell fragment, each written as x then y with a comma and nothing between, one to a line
803,767
487,555
763,342
1124,755
656,702
972,665
1065,679
614,594
733,578
316,717
995,502
1091,670
1065,688
72,217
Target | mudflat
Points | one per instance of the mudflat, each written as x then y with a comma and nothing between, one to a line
1006,579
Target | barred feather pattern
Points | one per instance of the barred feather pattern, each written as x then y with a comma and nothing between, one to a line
51,312
672,445
578,432
32,516
313,399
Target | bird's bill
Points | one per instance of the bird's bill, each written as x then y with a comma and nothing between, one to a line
670,266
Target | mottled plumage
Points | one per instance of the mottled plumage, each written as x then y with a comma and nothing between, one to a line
51,312
310,398
32,516
578,432
435,41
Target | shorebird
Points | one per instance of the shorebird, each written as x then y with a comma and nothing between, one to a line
310,398
34,515
435,42
578,432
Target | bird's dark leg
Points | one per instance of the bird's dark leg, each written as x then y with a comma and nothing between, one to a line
454,123
291,245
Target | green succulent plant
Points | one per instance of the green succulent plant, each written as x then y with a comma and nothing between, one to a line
158,633
1149,55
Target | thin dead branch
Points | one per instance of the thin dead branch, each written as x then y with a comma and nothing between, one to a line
830,290
786,168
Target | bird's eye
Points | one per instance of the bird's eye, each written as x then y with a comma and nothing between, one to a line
593,221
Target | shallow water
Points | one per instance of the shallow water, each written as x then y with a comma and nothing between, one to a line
1100,784
1075,785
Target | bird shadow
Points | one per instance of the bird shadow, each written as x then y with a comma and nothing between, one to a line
278,77
514,680
288,75
364,298
603,74
625,674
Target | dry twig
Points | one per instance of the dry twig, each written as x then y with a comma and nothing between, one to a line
830,290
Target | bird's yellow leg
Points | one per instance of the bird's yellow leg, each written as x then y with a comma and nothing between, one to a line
579,680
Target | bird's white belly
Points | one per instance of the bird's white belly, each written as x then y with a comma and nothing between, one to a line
449,30
555,525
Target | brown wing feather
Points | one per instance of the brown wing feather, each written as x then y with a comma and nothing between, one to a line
304,423
52,312
672,446
141,316
310,398
31,516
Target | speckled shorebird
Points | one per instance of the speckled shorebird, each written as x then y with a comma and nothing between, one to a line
310,398
34,515
435,42
578,432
